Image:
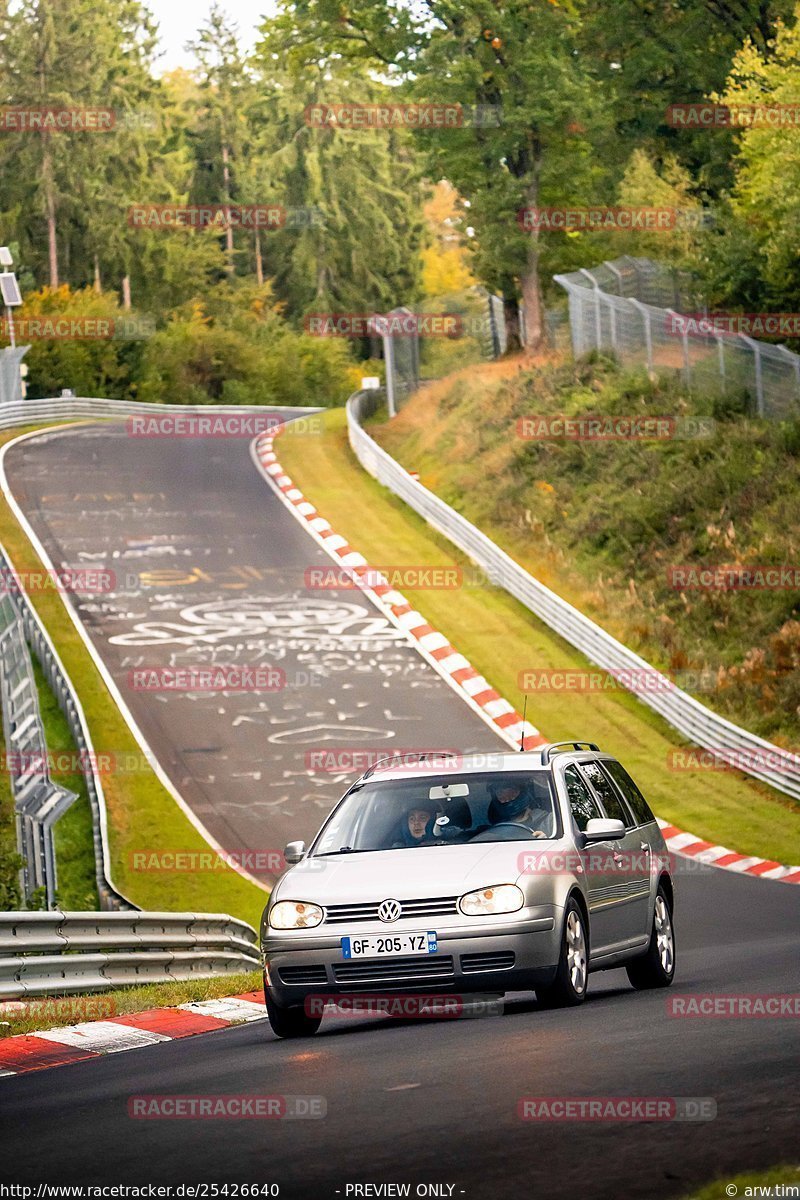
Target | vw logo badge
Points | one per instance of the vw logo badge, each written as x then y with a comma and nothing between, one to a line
389,910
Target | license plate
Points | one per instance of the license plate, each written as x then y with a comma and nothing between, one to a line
387,945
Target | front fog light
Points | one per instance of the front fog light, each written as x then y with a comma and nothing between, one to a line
293,914
504,898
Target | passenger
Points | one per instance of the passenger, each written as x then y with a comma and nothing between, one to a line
518,804
417,826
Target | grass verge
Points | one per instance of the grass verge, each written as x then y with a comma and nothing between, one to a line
19,1016
74,845
10,859
751,1183
499,636
616,525
141,813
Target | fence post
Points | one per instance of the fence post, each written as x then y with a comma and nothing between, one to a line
795,362
756,349
721,356
598,323
612,308
648,333
492,327
388,358
612,267
687,366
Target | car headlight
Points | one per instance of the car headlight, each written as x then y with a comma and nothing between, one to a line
504,898
293,914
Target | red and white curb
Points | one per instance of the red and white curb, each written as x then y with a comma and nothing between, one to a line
691,846
433,645
92,1039
456,669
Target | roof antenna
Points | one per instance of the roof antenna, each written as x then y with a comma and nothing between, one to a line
524,711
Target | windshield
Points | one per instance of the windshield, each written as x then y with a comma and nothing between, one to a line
415,813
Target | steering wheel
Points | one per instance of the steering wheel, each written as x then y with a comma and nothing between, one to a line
511,825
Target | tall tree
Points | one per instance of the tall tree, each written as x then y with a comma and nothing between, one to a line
353,196
766,194
221,131
650,56
516,63
74,180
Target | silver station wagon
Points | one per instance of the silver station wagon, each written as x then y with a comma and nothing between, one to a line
484,873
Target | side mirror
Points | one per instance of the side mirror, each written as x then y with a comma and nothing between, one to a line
295,851
604,829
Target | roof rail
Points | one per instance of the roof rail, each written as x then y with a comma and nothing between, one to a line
411,756
562,747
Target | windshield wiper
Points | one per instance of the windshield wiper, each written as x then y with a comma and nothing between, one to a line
343,850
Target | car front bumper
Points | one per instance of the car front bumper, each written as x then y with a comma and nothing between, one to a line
512,954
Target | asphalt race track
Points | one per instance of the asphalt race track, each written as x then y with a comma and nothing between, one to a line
425,1102
435,1102
210,569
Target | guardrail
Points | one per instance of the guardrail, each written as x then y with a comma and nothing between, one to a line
38,801
38,852
699,724
58,953
71,408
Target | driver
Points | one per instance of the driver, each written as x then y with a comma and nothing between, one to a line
417,825
515,802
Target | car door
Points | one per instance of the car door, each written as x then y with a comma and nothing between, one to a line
630,858
598,863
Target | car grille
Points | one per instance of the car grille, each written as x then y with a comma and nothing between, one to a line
500,960
342,914
312,974
389,970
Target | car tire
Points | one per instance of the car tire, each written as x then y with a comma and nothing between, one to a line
568,988
656,967
290,1022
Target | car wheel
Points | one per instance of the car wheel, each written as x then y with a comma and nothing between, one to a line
291,1022
569,986
656,967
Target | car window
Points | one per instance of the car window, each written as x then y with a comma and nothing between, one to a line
609,797
438,811
582,804
641,809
